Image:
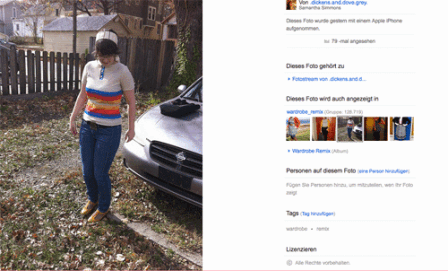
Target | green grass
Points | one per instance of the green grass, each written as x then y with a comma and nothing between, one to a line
305,136
301,136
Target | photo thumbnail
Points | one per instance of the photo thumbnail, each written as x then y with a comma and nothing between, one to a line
324,129
375,129
402,128
298,129
350,129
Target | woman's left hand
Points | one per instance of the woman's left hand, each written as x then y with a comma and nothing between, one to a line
129,135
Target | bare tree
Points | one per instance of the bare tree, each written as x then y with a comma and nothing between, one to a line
34,15
109,6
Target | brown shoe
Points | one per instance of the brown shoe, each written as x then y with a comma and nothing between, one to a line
88,208
97,216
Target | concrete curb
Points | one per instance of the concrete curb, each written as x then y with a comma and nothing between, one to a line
159,239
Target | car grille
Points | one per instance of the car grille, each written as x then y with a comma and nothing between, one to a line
167,155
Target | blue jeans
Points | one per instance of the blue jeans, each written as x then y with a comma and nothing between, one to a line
349,131
98,149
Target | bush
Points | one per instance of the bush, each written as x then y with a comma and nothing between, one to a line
17,40
25,40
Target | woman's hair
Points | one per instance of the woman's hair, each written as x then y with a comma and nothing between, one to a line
106,47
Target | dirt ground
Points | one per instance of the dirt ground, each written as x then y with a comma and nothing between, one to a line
343,136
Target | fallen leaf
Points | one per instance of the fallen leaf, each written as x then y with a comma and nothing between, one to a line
120,257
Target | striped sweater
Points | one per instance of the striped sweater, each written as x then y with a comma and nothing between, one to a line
105,88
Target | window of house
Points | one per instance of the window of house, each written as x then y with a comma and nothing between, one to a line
126,22
159,26
57,12
17,27
172,32
14,15
152,13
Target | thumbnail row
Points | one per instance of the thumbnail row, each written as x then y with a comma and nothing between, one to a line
349,128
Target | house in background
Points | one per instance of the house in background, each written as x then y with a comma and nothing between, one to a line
58,35
169,31
34,18
9,10
4,37
143,17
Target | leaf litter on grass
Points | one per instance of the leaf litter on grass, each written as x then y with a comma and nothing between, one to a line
46,229
40,226
178,221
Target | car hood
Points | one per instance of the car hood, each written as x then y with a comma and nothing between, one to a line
184,132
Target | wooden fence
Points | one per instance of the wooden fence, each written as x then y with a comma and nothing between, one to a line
34,72
150,62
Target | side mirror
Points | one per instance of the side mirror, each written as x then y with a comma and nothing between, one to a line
181,88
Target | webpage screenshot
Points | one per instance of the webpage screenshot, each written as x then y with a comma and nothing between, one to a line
353,129
344,151
354,167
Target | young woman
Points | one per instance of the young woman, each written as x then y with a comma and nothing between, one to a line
324,124
350,124
377,129
292,128
104,81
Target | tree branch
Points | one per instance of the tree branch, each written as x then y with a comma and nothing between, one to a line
83,8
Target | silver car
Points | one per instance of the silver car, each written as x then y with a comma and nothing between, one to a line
166,151
7,44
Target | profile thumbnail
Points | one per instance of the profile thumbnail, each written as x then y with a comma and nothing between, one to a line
324,129
298,129
375,129
291,4
402,128
350,129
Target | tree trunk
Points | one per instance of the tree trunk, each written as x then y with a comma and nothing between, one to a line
105,7
75,27
35,31
189,30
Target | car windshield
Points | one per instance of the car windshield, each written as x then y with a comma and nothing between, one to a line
194,93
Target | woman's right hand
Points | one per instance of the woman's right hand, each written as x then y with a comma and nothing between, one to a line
73,127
